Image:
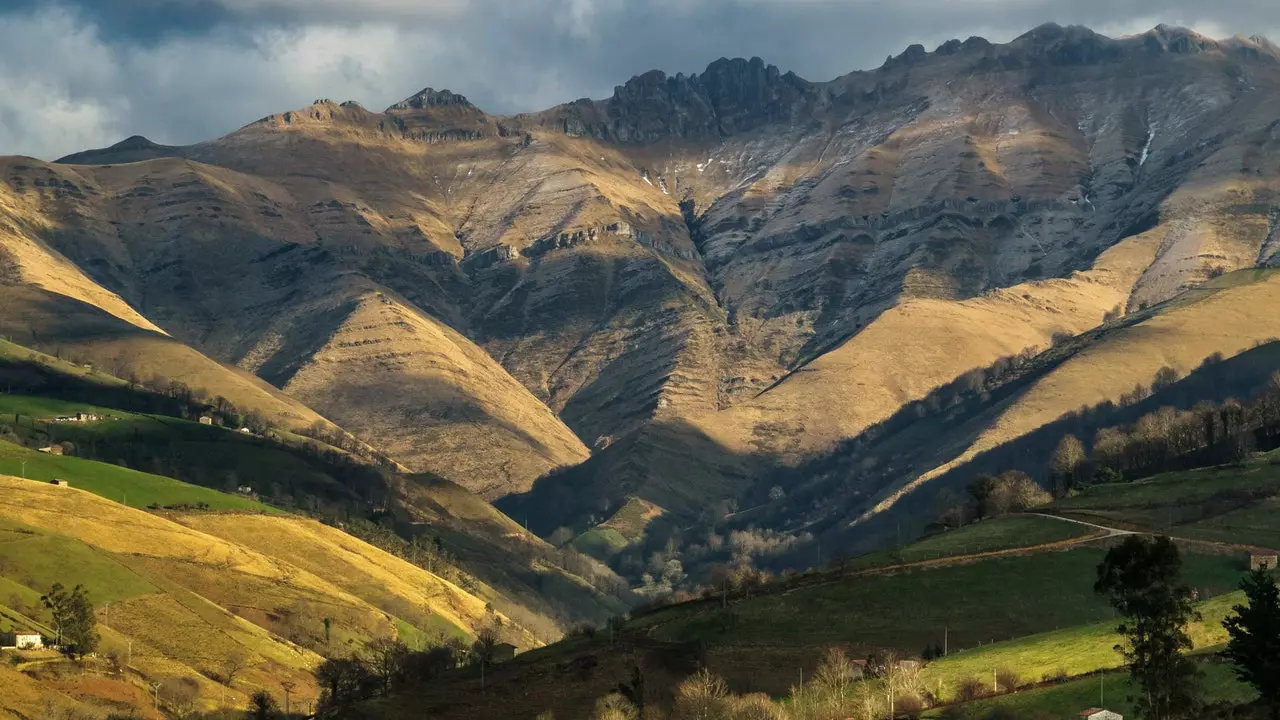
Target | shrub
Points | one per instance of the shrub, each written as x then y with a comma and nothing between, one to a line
909,706
614,707
703,696
1008,680
756,706
970,689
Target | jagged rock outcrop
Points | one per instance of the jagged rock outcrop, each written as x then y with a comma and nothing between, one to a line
431,98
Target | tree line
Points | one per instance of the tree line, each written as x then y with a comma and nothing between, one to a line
1170,439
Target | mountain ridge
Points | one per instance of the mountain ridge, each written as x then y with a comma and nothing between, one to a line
680,276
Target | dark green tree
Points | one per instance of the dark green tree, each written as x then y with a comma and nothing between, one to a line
1141,579
262,706
1254,646
73,619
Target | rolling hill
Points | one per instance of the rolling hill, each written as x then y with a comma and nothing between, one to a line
1010,594
188,599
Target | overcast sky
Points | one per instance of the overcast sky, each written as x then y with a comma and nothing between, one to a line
76,74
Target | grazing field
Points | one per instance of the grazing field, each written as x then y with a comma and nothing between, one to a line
625,527
434,605
33,559
187,599
1003,533
1111,690
986,601
1166,503
1256,526
119,484
1069,652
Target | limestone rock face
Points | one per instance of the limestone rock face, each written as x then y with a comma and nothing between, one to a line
702,277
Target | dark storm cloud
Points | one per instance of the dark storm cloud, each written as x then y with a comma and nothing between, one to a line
82,72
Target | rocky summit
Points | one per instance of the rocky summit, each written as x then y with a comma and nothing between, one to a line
679,294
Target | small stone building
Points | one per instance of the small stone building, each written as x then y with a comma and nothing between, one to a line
1100,714
52,450
1262,560
61,483
503,652
206,420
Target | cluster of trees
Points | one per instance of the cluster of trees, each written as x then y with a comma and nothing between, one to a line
386,665
428,554
71,616
1170,439
991,496
840,689
1141,577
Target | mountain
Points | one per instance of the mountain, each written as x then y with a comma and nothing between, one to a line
679,294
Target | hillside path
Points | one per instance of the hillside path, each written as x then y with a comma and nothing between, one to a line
1113,532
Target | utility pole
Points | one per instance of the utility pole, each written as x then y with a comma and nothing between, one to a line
1102,689
24,469
946,641
288,687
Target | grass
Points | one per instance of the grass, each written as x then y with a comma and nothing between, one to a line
601,542
392,585
35,559
1254,526
1003,533
139,489
1072,651
625,527
1111,690
30,407
980,602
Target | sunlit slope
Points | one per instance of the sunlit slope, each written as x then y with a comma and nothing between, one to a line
384,581
58,324
195,599
1228,316
432,399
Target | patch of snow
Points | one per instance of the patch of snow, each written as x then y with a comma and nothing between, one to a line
646,179
1146,150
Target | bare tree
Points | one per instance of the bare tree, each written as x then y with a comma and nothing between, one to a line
385,657
233,665
1066,464
182,694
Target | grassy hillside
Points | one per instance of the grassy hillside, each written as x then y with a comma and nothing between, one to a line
190,599
623,529
545,588
1221,504
137,489
1110,690
516,571
1225,316
69,327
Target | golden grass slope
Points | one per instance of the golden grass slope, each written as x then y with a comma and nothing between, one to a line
379,578
262,591
57,323
32,261
421,391
1228,316
918,345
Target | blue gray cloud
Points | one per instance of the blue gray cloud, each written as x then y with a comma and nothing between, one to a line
80,73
